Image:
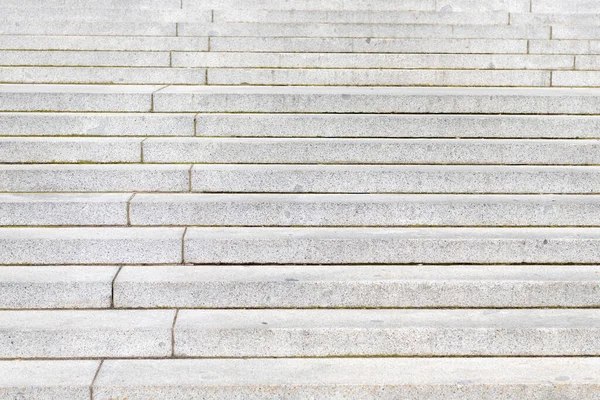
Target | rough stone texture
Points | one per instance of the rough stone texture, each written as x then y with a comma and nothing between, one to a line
85,12
89,334
395,179
55,246
96,124
85,58
371,151
587,63
575,32
560,47
97,4
364,210
330,333
374,60
493,5
397,126
576,78
574,6
360,45
76,28
109,98
241,6
357,286
267,99
56,287
70,150
40,380
554,19
94,178
63,209
392,245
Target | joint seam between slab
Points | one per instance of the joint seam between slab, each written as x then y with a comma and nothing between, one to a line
173,333
112,288
94,379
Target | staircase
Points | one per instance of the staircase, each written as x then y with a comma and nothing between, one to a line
299,199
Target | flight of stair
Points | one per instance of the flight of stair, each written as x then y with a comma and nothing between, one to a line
299,199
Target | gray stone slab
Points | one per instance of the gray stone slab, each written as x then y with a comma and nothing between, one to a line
319,99
373,60
108,43
554,19
378,77
334,5
575,6
38,380
370,151
94,178
394,179
360,45
576,78
97,4
378,378
74,28
357,286
396,126
347,333
72,246
560,47
587,63
575,32
63,209
364,210
361,16
391,245
70,150
488,5
86,58
103,75
108,98
56,287
96,124
85,13
85,333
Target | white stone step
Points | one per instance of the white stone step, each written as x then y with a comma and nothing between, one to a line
94,178
85,13
97,4
34,27
56,287
488,5
367,126
106,43
63,209
372,60
576,78
558,19
391,246
575,6
241,5
85,334
357,286
354,77
335,151
361,45
95,124
73,246
420,100
343,378
139,76
564,47
230,178
70,150
86,58
338,210
107,98
361,16
266,29
60,379
587,63
347,333
575,32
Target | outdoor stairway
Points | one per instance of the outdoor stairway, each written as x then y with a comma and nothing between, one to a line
294,199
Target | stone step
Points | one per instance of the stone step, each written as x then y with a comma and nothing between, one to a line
361,45
353,61
576,78
564,47
97,124
356,286
59,379
347,333
100,28
377,378
576,6
367,30
107,98
37,209
353,125
368,16
73,246
144,76
314,210
56,287
85,334
88,58
548,18
228,178
94,178
84,13
361,77
106,43
240,5
70,150
362,100
389,246
322,151
97,4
